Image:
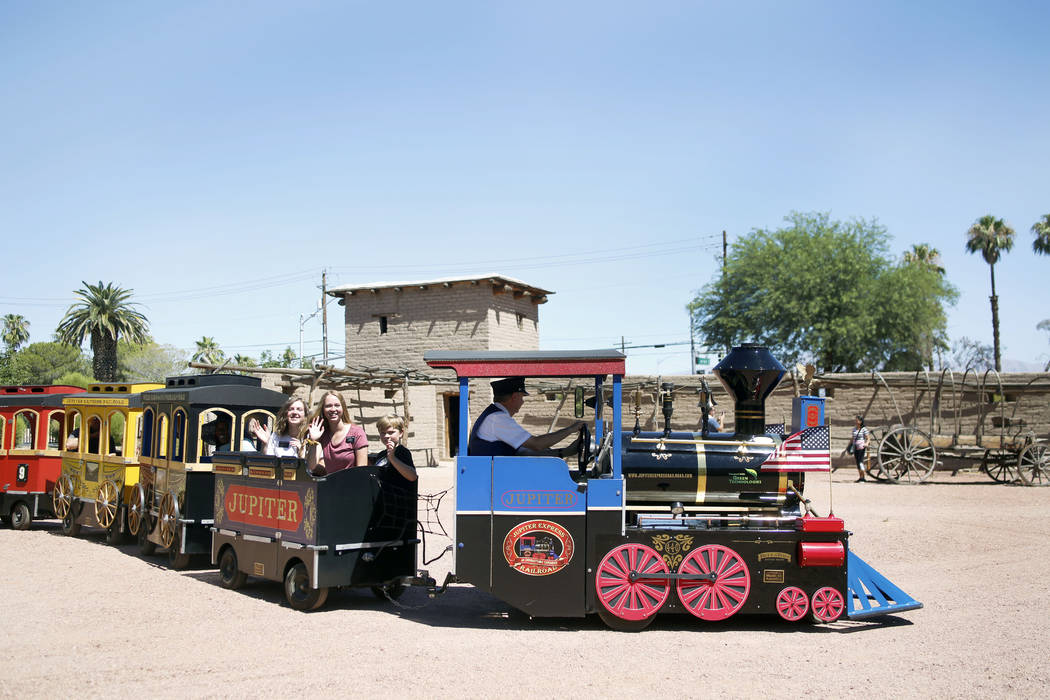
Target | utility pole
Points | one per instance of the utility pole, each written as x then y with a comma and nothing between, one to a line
324,315
725,249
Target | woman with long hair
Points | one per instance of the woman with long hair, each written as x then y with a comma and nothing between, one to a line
286,440
333,441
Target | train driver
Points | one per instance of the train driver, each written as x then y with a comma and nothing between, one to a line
497,434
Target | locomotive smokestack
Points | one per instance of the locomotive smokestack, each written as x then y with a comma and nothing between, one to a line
750,373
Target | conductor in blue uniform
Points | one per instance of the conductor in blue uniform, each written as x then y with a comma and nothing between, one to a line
497,434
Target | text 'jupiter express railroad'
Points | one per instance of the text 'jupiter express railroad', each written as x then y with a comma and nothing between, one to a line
707,524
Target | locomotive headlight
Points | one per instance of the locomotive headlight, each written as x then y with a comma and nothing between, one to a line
677,508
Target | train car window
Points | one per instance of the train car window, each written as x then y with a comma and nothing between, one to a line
138,436
162,436
73,431
216,432
3,433
178,434
25,430
146,436
116,433
55,438
94,429
249,443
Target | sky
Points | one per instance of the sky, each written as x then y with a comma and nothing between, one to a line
215,158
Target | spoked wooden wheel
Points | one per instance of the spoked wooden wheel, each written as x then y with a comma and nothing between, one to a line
907,454
106,502
63,495
137,510
298,592
1033,465
1000,465
169,520
718,599
792,604
828,605
628,600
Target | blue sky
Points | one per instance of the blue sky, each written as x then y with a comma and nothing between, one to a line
215,157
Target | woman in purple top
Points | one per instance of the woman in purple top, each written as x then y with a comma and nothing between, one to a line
334,442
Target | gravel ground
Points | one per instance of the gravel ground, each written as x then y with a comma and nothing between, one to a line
83,618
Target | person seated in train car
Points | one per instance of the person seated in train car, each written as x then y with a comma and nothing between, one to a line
497,434
394,455
714,425
216,434
333,441
286,438
73,441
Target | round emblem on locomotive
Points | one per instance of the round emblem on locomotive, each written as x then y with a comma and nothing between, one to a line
538,547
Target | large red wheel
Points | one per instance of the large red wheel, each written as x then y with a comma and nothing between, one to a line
628,598
792,604
828,605
718,599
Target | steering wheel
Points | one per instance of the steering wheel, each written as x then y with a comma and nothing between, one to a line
583,449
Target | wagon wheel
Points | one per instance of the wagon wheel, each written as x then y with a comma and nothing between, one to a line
169,520
137,510
718,599
999,465
1033,465
63,495
907,454
106,503
792,604
629,603
298,592
828,604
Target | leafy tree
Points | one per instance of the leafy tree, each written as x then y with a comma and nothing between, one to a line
45,363
208,352
16,331
971,354
288,357
924,256
1041,229
150,362
826,290
991,237
104,314
74,379
244,360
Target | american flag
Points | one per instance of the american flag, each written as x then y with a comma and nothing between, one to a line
808,450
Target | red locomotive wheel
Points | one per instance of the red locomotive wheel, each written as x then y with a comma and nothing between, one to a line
828,605
628,599
718,599
792,604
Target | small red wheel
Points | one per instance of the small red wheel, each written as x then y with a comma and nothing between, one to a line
828,605
718,599
792,604
628,599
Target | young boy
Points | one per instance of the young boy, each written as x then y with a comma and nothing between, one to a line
391,430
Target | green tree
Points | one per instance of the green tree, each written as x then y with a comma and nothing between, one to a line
924,256
45,363
991,238
208,352
825,290
150,362
1041,229
104,314
16,331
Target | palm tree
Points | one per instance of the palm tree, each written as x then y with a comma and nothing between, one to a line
103,314
1041,229
16,331
244,360
991,237
208,351
925,256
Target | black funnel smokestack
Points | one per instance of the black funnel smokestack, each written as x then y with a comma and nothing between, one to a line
750,373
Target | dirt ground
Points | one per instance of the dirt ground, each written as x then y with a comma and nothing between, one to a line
78,617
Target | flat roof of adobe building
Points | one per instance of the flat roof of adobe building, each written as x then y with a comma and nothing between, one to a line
509,283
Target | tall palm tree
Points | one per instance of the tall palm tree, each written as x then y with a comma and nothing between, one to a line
925,256
991,237
1041,229
103,314
16,331
208,351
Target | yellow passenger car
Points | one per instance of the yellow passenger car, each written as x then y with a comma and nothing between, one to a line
100,461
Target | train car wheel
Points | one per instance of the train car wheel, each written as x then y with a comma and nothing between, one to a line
626,596
169,520
298,592
718,599
70,526
146,546
20,517
136,509
230,576
828,605
106,504
792,604
63,495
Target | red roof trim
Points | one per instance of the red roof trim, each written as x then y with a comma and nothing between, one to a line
533,368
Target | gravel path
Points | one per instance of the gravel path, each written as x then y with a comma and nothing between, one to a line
81,617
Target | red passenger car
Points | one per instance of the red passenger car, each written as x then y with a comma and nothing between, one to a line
32,435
